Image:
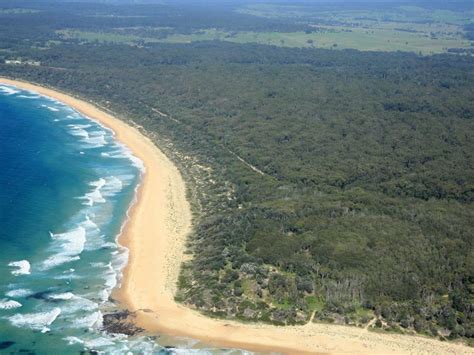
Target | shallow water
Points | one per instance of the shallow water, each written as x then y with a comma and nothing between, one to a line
65,189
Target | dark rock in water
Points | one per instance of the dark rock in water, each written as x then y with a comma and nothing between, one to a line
89,352
121,315
42,295
120,323
6,344
26,351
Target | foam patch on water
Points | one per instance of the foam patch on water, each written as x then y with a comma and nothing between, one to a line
9,304
92,320
51,108
96,139
72,303
8,90
94,237
123,152
95,196
69,244
72,242
20,292
74,116
56,260
78,130
29,96
68,275
22,267
98,264
110,277
112,186
88,224
91,139
62,296
104,295
35,321
118,344
93,343
104,187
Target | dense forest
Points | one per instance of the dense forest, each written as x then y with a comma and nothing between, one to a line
333,182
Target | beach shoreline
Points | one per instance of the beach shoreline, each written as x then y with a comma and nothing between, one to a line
155,234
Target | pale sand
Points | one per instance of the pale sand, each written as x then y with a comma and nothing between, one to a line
156,234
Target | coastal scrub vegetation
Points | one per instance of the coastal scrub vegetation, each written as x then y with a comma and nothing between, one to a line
337,184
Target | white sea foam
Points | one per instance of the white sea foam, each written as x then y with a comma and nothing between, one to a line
122,152
8,90
69,244
22,267
78,131
112,186
109,245
73,340
56,260
77,126
29,96
51,108
98,264
20,292
76,304
91,139
120,344
96,139
94,238
92,343
92,320
62,296
98,183
108,186
72,242
9,304
104,295
98,343
36,321
110,277
88,224
69,276
95,196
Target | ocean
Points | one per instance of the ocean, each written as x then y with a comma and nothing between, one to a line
65,189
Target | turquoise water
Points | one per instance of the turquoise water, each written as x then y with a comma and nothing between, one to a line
65,189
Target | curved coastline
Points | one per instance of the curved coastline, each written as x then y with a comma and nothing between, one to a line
155,235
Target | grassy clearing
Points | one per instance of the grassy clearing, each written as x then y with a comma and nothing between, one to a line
424,39
314,303
402,14
365,39
406,28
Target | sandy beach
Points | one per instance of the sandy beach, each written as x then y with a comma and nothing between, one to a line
155,235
